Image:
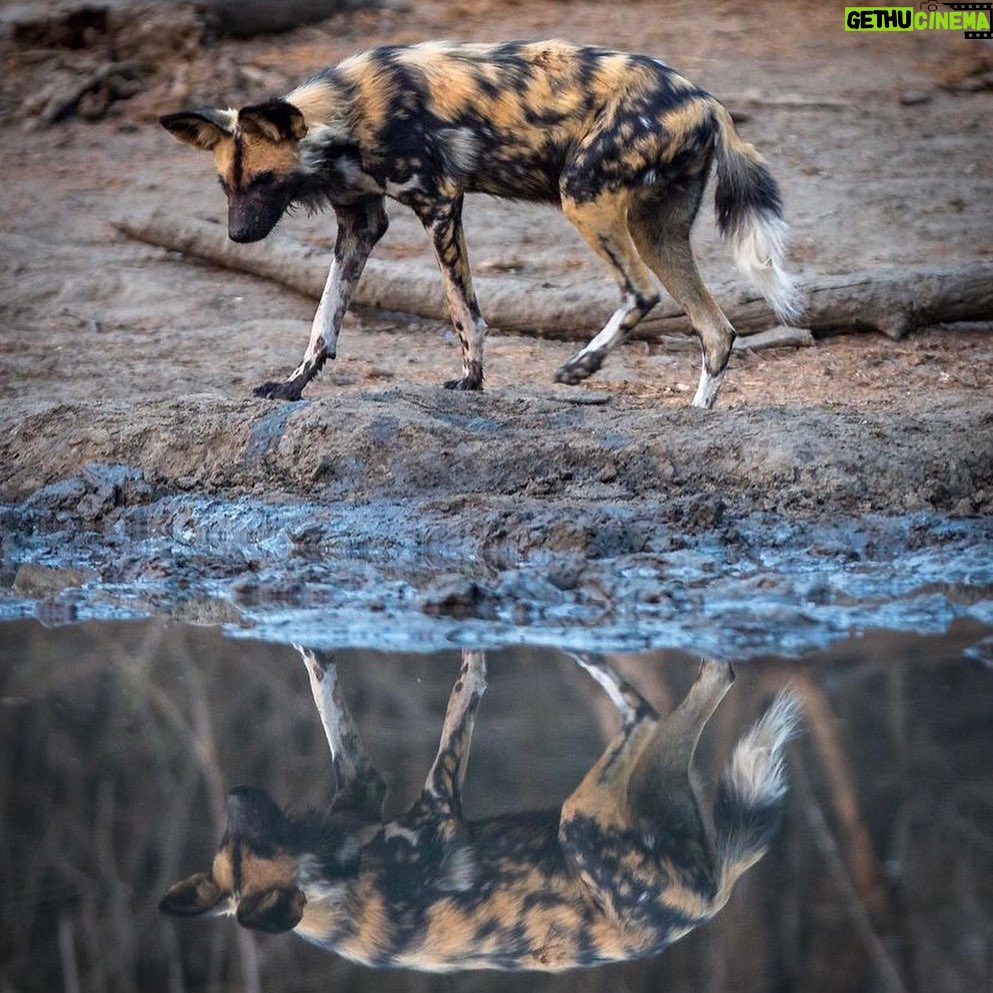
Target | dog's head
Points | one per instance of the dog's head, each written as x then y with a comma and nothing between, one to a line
256,150
254,875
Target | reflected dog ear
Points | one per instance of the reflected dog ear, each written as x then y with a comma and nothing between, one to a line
273,911
193,897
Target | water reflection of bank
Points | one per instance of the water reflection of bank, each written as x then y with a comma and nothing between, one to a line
117,741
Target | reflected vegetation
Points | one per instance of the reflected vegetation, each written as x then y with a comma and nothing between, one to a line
119,742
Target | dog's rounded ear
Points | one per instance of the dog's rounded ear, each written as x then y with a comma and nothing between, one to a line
273,911
200,128
192,897
275,120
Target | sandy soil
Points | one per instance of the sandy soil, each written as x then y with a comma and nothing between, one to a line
121,354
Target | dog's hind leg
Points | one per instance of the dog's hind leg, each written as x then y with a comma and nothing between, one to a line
650,753
661,788
360,226
642,788
603,223
660,224
443,222
630,704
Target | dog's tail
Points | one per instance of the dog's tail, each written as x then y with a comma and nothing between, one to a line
750,797
750,214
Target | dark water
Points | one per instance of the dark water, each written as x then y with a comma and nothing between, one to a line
118,741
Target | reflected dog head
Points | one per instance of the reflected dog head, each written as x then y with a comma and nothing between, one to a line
254,875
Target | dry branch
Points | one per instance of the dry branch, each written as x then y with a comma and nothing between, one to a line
246,18
894,301
890,979
862,865
92,95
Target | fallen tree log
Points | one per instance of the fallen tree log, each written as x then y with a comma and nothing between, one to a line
247,18
891,300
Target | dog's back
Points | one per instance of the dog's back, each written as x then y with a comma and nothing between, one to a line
505,119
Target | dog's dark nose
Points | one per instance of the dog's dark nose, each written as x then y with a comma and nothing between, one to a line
244,235
249,220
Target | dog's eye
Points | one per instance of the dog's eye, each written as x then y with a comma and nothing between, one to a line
266,178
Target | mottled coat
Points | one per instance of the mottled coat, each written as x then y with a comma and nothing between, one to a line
620,142
627,865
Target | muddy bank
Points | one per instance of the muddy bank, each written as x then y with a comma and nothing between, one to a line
412,443
414,518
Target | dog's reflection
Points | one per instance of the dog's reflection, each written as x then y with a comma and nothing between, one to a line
625,867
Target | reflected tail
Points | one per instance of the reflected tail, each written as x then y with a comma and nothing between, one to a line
750,798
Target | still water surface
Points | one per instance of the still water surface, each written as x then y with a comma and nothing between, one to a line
119,740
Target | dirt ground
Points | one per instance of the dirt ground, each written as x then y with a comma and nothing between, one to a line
116,353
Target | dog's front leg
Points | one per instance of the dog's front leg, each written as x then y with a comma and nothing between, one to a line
360,226
357,784
443,222
442,794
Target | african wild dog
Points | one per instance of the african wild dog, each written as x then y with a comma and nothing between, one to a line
621,143
625,866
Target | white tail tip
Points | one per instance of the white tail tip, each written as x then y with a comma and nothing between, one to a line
759,245
755,774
